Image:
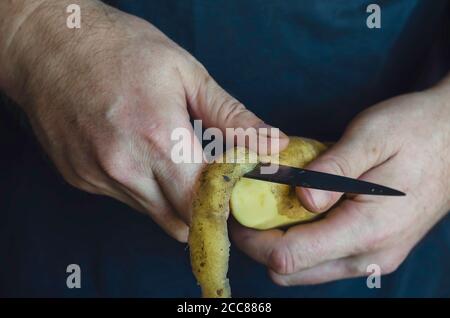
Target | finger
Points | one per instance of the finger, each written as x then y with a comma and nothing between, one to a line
259,245
177,179
326,272
96,183
338,235
113,191
145,196
379,263
358,151
211,103
131,171
160,157
360,225
342,233
149,195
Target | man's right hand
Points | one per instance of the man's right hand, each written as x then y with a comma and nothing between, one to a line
103,101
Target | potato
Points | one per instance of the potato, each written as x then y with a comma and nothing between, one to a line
264,205
208,235
256,204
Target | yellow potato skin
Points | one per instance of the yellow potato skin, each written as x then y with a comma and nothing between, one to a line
264,205
208,235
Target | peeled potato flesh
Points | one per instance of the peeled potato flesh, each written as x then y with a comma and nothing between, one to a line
264,205
256,204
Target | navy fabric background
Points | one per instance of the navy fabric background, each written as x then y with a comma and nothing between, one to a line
291,60
305,66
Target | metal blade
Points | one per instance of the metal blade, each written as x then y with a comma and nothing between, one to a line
322,181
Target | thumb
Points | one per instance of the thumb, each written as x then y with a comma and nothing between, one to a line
351,157
217,108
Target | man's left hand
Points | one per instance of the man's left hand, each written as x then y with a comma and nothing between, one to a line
403,143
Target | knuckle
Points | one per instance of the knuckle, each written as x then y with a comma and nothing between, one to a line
71,178
82,185
390,265
89,176
233,109
338,164
116,166
168,53
155,130
74,182
198,68
154,143
83,171
113,115
354,269
365,122
181,236
122,162
282,260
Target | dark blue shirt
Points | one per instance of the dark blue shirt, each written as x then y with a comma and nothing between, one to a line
307,67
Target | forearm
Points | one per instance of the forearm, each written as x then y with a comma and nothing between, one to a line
13,15
35,31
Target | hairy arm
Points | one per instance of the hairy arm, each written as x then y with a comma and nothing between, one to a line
104,99
34,30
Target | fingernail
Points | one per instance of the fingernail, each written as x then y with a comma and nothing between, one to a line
320,199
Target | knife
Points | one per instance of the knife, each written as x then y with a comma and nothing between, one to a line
319,180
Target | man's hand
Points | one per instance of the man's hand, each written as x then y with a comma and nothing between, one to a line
103,101
403,143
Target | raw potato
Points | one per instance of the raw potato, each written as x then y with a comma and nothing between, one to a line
272,205
208,235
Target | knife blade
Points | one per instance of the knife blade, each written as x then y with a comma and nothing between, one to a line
319,180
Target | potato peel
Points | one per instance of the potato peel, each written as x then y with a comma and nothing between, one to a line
208,235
